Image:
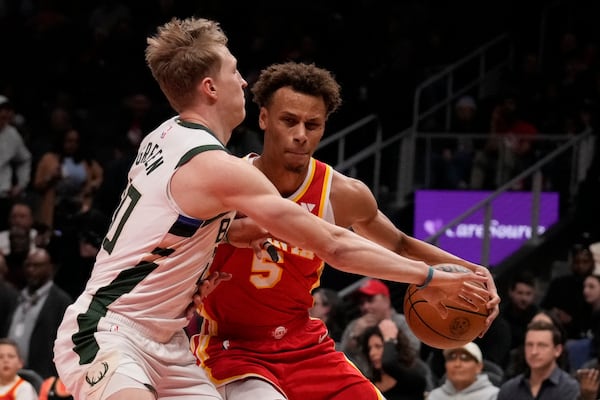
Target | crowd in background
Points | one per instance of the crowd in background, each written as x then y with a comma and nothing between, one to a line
76,99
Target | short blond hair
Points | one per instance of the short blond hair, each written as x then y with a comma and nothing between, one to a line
183,52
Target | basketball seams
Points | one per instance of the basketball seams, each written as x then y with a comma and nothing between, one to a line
461,326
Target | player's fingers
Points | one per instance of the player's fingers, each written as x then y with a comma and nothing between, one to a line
257,247
191,310
223,276
476,292
494,301
467,300
476,277
441,309
492,314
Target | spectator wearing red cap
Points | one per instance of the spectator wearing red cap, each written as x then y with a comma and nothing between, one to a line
375,305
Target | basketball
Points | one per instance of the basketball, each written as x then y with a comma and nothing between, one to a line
461,326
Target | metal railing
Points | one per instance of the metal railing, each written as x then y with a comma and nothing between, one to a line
369,150
579,152
396,153
576,145
479,70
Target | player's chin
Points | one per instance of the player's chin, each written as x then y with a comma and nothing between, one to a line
294,166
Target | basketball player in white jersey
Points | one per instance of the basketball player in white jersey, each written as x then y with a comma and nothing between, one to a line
123,338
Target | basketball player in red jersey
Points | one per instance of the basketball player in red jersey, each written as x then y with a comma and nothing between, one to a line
257,340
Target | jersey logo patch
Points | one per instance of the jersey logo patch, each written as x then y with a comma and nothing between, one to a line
307,206
96,375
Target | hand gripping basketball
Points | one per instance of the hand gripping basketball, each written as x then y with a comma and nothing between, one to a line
451,310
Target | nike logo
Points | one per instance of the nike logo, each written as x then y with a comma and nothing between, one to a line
323,336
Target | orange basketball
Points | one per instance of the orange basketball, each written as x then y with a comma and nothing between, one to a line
460,327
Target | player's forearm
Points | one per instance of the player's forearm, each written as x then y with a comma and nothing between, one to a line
354,254
419,250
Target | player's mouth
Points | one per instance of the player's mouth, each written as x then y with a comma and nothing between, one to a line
298,154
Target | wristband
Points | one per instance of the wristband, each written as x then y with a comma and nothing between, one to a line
427,280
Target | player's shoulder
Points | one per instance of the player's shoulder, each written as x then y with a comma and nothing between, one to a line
349,189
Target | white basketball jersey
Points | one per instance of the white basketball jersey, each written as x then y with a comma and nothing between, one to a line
153,255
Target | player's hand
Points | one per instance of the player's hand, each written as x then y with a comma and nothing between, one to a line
461,288
263,248
204,288
244,232
493,304
209,284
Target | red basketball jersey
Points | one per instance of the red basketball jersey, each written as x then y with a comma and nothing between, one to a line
257,324
263,293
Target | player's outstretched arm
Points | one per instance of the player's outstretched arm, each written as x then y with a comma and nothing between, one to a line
227,182
355,206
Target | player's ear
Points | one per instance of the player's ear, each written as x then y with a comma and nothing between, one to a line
262,118
208,87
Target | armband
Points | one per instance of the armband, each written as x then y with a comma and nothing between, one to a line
427,280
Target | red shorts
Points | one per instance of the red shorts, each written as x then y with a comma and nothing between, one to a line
302,363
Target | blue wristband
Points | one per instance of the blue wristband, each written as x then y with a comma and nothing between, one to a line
427,280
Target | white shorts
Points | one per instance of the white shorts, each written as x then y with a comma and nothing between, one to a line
250,389
168,369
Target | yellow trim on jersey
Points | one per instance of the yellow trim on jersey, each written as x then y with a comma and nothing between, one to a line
325,190
311,173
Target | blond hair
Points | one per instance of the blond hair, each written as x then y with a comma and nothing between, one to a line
183,52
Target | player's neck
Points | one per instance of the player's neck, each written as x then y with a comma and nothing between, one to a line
286,181
195,118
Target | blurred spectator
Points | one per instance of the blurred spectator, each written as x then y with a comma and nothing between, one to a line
78,247
9,296
12,386
453,161
375,305
545,380
583,349
466,116
138,117
495,344
530,81
520,306
20,215
15,162
20,246
518,365
54,389
115,176
58,118
570,308
464,377
328,307
35,321
508,150
392,365
67,179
